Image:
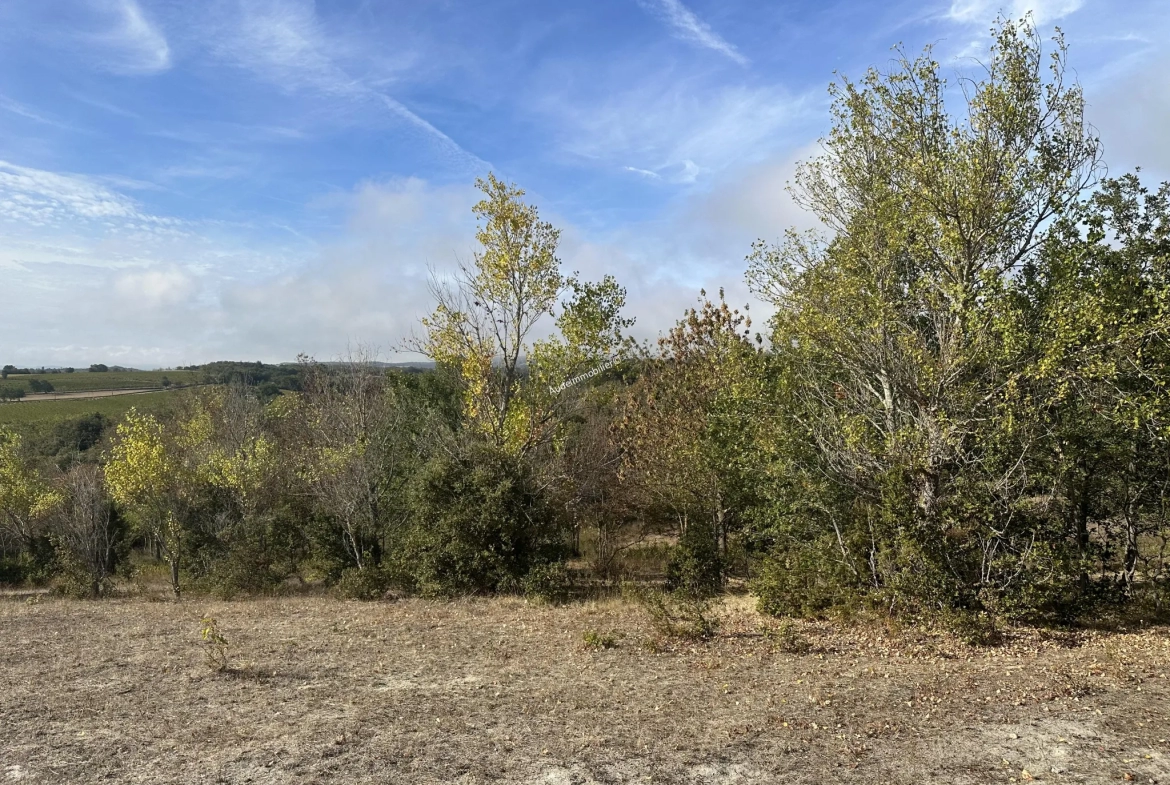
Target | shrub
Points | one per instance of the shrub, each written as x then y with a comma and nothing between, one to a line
215,645
676,615
479,524
599,640
695,567
975,628
370,583
786,638
251,556
548,582
802,581
89,538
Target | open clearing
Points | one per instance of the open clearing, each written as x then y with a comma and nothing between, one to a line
502,691
73,396
83,381
34,410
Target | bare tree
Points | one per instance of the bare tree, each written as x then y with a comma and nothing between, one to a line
86,526
350,425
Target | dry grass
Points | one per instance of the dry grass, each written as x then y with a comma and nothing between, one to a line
501,691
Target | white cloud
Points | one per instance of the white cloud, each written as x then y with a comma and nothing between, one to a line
87,298
283,42
983,11
39,198
154,288
679,131
689,27
133,43
1132,113
218,293
19,109
643,172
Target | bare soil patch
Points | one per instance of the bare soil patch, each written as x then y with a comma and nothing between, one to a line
481,691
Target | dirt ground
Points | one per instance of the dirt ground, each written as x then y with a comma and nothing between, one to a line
323,690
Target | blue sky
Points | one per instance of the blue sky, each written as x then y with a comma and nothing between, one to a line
250,179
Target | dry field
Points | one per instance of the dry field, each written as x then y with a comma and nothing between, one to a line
501,691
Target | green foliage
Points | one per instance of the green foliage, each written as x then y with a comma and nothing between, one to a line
596,641
480,523
786,637
695,567
975,628
954,413
803,580
547,582
111,380
89,535
215,646
253,556
369,583
676,615
56,410
961,410
481,329
33,563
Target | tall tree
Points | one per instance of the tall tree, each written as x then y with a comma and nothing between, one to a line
895,334
26,499
484,322
687,426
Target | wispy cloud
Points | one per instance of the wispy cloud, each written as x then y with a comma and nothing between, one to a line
643,172
135,45
689,27
34,197
282,41
8,105
982,11
678,131
105,106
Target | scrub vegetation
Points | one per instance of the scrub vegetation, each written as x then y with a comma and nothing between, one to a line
919,515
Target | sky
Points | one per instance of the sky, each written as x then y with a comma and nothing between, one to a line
183,182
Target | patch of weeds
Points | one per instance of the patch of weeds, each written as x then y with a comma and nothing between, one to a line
675,614
595,640
786,638
975,628
215,645
550,583
652,645
368,584
1066,639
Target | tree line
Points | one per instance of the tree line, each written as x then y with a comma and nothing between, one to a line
958,404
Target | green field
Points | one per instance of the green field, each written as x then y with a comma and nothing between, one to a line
83,381
113,407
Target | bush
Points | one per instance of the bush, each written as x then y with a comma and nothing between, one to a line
804,581
34,564
252,556
549,582
89,535
599,640
975,628
786,638
370,583
695,568
676,615
479,525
